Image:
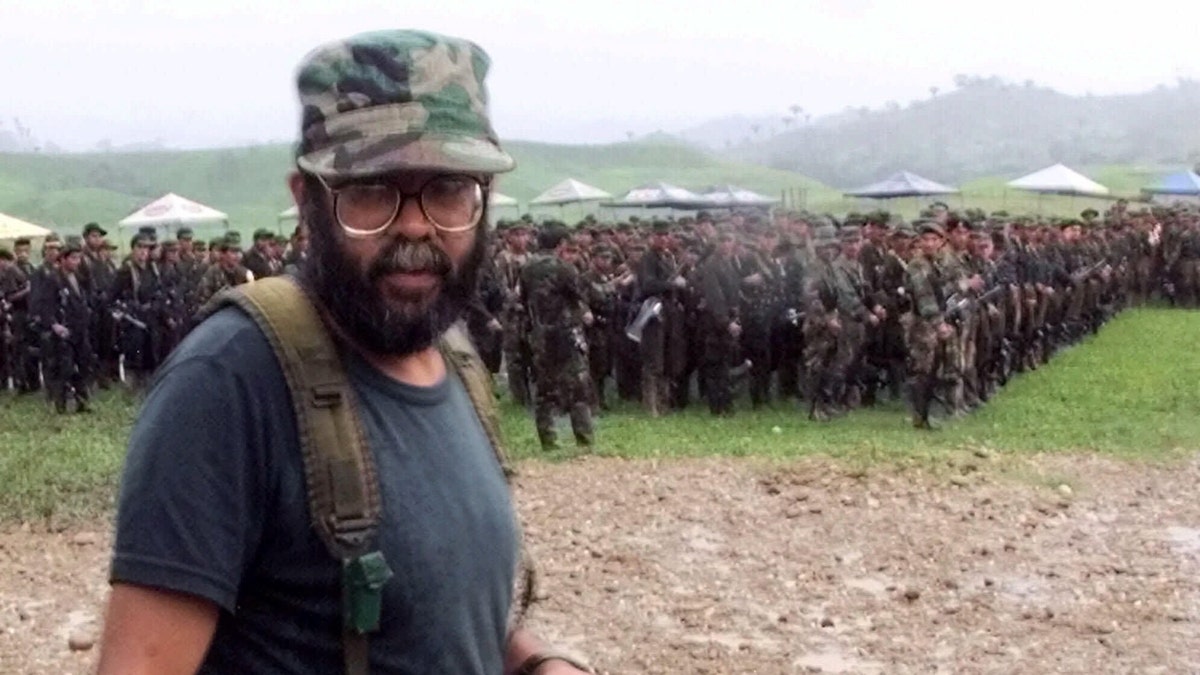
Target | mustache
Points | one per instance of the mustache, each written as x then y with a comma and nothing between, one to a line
411,257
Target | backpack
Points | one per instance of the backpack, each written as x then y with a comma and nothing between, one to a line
339,469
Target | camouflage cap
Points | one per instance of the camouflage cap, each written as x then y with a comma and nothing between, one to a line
398,99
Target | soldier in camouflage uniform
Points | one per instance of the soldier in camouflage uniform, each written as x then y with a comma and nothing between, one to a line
225,273
928,335
860,314
554,297
718,307
600,286
64,312
517,357
822,325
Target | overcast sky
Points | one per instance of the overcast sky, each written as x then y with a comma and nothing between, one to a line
218,72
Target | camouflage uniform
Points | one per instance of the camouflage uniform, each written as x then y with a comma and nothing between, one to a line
926,350
517,357
552,292
822,327
601,295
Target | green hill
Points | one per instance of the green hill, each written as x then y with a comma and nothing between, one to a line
65,191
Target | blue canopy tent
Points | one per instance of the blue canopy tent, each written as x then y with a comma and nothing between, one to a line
1185,183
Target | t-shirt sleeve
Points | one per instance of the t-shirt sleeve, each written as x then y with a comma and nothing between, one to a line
190,510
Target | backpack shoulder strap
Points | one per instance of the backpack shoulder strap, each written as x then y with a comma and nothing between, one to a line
457,349
339,470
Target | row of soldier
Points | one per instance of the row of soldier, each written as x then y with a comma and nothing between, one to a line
81,318
836,315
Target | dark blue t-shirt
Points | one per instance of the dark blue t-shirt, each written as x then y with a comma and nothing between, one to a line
213,503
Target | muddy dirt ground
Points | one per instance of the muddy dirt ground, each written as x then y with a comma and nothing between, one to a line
986,565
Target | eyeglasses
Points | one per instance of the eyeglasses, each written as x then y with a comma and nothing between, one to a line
450,202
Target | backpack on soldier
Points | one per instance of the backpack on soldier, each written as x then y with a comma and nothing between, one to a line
339,469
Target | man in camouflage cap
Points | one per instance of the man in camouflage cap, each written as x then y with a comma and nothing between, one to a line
395,163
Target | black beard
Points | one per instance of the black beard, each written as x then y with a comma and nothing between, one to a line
361,310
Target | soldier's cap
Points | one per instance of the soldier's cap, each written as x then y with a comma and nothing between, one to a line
662,227
108,245
604,251
1069,222
52,240
854,218
215,243
94,227
6,254
184,233
923,225
825,235
199,246
1089,214
704,216
394,100
233,236
170,245
73,241
850,233
263,233
140,237
904,231
943,205
21,241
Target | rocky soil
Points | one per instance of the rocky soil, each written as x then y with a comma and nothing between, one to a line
986,565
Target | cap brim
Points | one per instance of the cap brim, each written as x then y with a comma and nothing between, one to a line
379,155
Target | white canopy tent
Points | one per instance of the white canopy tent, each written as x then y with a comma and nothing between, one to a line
569,191
732,196
1059,179
661,195
290,213
172,211
12,229
497,199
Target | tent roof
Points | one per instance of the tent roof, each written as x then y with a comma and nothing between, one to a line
662,195
902,184
171,209
292,211
1183,183
570,191
15,228
732,195
1060,180
497,199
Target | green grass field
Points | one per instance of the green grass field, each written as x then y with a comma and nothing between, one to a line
65,191
1130,392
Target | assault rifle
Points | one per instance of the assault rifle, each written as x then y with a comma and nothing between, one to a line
121,315
1079,276
959,305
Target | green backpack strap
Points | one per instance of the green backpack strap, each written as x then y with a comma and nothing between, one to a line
458,351
339,469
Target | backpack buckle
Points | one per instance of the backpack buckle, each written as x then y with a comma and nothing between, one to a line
326,396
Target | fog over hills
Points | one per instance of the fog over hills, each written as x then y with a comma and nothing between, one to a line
985,126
